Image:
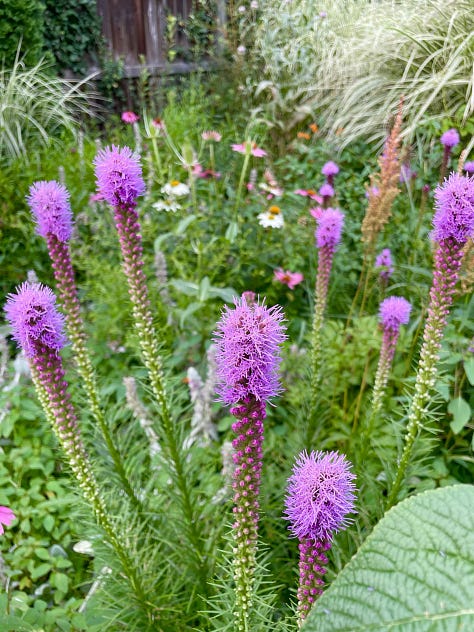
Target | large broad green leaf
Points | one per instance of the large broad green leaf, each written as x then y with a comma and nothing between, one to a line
414,573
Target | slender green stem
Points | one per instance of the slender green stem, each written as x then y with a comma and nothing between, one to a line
241,181
445,274
67,290
156,153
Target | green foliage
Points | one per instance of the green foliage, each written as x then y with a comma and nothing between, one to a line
349,63
205,269
72,33
21,32
34,107
414,572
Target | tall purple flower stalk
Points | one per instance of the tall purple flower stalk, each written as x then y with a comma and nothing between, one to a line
394,312
330,169
120,181
449,140
37,327
49,204
384,265
320,494
453,226
247,340
328,236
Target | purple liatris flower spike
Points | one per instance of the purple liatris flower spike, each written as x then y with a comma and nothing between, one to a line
454,203
394,312
328,232
327,193
330,169
119,175
384,263
49,203
119,179
449,140
453,226
328,236
248,340
34,319
320,495
37,327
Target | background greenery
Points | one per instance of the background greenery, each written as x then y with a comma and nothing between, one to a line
45,579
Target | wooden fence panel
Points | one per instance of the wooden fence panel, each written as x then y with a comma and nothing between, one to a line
135,28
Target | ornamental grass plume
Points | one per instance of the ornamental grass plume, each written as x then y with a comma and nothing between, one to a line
453,224
328,236
383,187
37,327
49,204
320,494
247,341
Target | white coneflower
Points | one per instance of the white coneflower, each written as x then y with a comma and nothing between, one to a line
175,189
273,218
167,205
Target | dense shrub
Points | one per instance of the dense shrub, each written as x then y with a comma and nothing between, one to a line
21,21
72,32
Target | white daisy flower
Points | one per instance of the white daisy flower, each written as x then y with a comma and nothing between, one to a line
167,205
175,189
272,218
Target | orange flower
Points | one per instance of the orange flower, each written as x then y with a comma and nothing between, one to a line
314,128
304,135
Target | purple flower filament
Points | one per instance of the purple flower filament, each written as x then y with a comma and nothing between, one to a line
247,340
453,226
320,494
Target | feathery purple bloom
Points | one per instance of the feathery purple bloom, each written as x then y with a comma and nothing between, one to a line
394,311
469,167
49,203
450,138
34,318
320,495
454,202
248,356
329,229
119,175
327,191
330,169
384,262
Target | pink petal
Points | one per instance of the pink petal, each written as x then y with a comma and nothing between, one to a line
6,517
